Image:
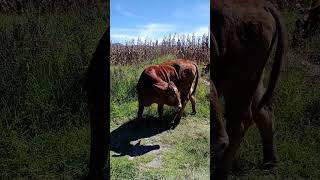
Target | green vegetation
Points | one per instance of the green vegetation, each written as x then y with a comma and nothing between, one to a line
43,115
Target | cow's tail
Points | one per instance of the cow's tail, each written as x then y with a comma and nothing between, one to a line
197,79
279,56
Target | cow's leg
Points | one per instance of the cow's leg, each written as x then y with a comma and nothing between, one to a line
264,120
160,111
140,110
236,115
220,138
193,103
236,161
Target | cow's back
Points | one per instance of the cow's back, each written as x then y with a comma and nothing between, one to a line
144,87
188,73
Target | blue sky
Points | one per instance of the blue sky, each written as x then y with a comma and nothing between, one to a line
154,19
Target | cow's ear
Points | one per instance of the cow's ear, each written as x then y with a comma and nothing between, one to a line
177,68
160,88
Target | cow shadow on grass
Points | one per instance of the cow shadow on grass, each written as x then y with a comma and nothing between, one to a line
135,129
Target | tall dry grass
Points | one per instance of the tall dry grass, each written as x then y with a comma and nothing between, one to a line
180,46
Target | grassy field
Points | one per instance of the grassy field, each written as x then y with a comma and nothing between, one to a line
43,115
162,154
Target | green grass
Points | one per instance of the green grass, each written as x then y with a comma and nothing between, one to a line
47,156
43,114
184,152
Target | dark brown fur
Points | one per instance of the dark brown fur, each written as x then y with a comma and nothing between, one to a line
243,34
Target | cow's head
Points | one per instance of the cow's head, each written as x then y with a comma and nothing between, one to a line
170,92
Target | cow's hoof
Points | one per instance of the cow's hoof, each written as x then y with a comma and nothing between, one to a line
194,113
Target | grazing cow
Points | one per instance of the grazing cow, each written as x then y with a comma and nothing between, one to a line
157,84
188,73
243,35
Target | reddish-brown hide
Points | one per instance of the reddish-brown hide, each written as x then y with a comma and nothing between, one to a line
188,73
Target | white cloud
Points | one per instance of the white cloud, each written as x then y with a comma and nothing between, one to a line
126,12
122,36
155,30
198,32
201,31
147,31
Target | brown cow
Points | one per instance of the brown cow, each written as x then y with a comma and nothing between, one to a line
157,85
243,34
188,81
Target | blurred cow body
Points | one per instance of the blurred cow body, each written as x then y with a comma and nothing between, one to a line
243,35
